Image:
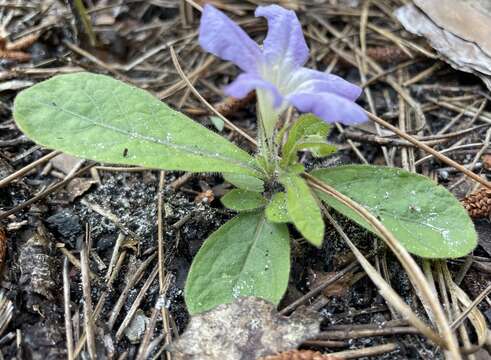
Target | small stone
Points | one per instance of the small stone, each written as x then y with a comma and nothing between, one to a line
67,224
443,175
136,328
106,242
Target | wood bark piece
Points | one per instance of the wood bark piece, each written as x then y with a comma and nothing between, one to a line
37,265
461,54
455,16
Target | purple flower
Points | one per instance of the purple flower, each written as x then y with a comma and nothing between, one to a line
276,70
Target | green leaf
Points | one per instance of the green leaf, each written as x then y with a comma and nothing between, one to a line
306,126
100,118
245,182
316,144
276,211
243,200
303,209
295,168
248,256
425,217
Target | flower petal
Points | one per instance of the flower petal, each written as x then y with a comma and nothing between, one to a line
285,42
247,82
222,37
307,80
329,107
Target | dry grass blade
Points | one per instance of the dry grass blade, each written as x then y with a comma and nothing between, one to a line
96,61
430,150
372,65
3,247
206,103
472,312
100,303
88,321
403,83
124,294
19,56
23,43
27,168
317,290
431,281
385,289
414,272
161,230
196,6
45,193
114,257
67,309
469,110
74,261
110,216
454,309
146,347
181,84
300,355
363,68
366,352
136,304
6,311
343,332
460,299
144,350
161,260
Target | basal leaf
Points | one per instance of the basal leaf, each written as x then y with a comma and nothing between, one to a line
303,209
100,118
243,200
425,217
248,256
245,182
276,211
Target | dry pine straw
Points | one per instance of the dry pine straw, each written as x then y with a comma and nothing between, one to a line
331,47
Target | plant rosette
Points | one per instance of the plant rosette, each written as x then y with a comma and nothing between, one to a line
100,118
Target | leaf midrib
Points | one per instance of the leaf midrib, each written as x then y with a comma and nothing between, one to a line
139,136
362,179
256,237
389,213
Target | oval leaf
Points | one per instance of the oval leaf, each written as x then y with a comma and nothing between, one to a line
100,118
317,145
245,182
248,256
305,126
243,200
425,217
303,209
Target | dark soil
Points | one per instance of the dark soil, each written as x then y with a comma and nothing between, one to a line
40,236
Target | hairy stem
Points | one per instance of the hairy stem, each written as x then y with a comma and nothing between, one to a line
267,119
